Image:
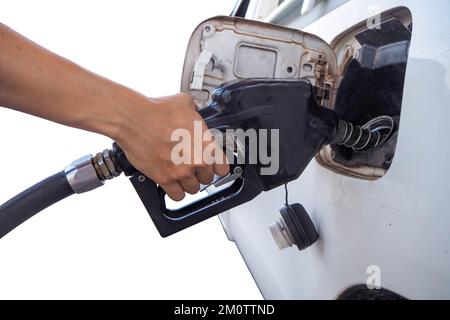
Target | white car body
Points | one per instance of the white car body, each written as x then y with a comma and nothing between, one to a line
395,229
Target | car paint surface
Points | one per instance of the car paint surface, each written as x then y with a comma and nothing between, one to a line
397,225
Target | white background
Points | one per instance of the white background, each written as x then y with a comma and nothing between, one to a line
103,244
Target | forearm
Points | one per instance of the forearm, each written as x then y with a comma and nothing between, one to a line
38,82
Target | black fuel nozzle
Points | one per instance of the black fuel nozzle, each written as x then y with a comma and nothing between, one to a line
287,109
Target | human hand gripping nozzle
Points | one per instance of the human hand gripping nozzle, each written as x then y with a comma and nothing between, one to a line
285,109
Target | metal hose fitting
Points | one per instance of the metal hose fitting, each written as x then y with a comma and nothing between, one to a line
90,172
105,165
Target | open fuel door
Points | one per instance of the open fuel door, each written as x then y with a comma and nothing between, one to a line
222,49
360,75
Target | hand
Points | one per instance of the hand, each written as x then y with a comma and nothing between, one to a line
145,136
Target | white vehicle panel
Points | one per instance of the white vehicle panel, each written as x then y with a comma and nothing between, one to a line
400,222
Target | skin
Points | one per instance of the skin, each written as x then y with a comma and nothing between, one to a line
36,81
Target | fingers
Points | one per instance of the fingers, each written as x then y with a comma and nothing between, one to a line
205,175
174,190
190,184
217,159
221,167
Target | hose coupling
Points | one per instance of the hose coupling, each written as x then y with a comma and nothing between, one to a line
90,172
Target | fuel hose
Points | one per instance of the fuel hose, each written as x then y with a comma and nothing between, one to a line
83,175
33,200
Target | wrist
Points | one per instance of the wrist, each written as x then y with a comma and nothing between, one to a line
113,117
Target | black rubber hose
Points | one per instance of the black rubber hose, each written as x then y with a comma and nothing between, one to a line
26,204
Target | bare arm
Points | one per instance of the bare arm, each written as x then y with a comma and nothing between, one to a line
38,82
